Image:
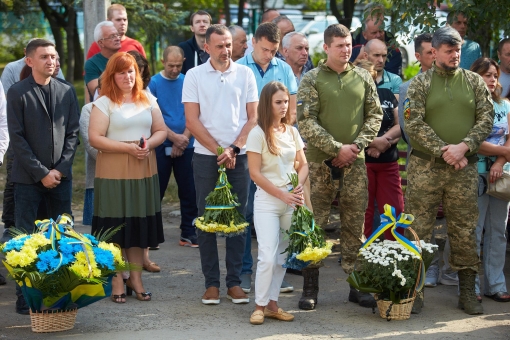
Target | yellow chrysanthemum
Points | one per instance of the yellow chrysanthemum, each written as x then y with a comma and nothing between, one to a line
81,265
315,254
22,258
36,241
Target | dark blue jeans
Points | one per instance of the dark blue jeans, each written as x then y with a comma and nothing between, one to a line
205,171
27,198
247,258
183,174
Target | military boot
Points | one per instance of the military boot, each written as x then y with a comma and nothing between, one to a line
363,299
308,299
467,297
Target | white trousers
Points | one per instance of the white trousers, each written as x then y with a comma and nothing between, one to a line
270,215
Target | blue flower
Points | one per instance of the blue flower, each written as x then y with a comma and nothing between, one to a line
15,244
48,260
67,246
293,263
92,239
104,258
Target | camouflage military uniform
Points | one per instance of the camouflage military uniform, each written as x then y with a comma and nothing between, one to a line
321,101
431,180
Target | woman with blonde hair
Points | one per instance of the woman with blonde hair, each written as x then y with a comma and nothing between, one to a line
125,127
272,147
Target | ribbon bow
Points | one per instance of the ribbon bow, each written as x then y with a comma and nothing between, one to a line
389,220
62,226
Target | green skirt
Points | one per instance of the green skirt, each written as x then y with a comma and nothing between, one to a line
126,192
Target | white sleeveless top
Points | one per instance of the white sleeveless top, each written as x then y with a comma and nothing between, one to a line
128,122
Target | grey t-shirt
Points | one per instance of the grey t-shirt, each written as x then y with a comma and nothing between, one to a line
504,80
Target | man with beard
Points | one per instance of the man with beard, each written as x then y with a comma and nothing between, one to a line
448,113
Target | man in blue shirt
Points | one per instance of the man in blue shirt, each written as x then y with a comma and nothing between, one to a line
470,50
177,151
266,68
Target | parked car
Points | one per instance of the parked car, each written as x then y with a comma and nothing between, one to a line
315,30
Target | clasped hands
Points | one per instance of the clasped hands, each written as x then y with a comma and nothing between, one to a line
453,154
378,146
228,157
52,179
346,155
180,143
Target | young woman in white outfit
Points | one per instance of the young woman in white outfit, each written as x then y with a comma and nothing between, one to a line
273,147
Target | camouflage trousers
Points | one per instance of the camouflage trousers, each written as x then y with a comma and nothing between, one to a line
427,185
353,186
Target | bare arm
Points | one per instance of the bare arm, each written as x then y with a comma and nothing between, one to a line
91,86
251,110
197,129
158,129
292,109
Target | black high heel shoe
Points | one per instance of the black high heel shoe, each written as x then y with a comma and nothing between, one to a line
139,296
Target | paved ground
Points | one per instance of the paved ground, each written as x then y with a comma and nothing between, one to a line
176,312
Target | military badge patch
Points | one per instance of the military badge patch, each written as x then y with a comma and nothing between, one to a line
407,109
299,103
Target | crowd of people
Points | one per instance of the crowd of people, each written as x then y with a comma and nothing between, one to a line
336,126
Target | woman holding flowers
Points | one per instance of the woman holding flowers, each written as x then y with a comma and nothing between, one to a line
126,183
273,146
493,212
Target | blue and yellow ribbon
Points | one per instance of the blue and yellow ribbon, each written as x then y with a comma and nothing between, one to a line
222,179
389,220
61,227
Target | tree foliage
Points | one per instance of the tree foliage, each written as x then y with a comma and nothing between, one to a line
487,18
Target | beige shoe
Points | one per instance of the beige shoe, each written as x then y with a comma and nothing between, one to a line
211,296
237,295
257,318
280,315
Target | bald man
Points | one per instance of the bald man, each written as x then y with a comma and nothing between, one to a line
176,152
376,52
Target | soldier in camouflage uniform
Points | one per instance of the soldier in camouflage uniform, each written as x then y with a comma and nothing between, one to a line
339,115
448,113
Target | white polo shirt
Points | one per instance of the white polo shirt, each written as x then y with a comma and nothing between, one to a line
222,98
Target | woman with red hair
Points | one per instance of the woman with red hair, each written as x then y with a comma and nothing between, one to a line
126,126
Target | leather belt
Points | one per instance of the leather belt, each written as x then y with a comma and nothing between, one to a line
471,159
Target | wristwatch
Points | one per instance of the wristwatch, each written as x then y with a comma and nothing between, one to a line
236,149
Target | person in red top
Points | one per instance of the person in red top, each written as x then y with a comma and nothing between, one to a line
118,15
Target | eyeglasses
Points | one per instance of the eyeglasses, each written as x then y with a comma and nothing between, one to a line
111,37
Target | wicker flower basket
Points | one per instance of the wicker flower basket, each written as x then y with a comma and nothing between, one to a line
395,311
47,322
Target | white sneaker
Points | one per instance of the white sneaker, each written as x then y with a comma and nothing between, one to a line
286,287
431,276
449,279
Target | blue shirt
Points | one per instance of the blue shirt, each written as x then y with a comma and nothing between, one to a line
469,52
277,70
169,95
390,81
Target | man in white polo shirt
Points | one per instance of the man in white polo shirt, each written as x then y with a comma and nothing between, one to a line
220,102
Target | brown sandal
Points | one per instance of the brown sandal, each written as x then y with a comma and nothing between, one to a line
152,267
139,296
117,298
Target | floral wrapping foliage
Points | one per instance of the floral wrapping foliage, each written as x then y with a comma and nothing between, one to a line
307,244
59,268
221,215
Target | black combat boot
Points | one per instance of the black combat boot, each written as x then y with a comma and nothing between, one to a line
467,297
363,299
308,299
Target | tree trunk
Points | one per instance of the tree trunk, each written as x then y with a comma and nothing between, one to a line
71,23
262,6
348,9
240,12
78,55
226,9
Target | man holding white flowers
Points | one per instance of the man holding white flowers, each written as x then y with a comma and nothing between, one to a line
448,113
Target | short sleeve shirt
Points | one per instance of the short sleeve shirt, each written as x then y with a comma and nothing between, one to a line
277,70
128,122
222,97
276,168
94,67
498,133
390,81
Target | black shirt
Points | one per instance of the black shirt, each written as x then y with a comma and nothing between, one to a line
46,94
388,103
